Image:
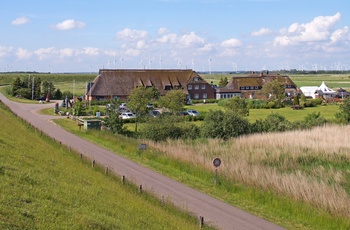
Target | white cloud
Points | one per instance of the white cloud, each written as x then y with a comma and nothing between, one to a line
5,50
207,48
168,38
231,43
67,52
69,24
132,35
319,29
132,52
20,21
23,53
43,53
262,32
340,35
141,44
91,51
191,40
162,31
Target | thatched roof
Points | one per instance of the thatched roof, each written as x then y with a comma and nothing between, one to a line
257,80
121,82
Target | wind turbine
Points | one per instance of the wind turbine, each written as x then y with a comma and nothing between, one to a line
160,62
234,66
210,65
179,64
121,63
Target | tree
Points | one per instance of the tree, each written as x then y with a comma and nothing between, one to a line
58,94
212,126
314,119
223,81
16,85
234,125
238,106
343,115
296,100
173,101
273,91
48,88
112,120
138,100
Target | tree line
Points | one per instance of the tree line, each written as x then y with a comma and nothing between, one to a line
35,89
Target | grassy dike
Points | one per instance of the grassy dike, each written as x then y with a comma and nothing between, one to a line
279,209
45,186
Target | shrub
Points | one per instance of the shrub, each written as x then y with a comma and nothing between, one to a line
212,125
270,105
234,125
314,119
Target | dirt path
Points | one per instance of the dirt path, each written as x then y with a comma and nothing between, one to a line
215,212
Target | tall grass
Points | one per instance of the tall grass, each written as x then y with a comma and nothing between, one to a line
311,166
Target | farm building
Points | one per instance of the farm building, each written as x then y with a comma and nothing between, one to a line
323,91
250,86
118,83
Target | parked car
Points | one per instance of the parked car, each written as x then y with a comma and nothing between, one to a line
183,113
154,113
192,112
122,106
127,116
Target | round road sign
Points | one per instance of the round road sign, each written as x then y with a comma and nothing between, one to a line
217,162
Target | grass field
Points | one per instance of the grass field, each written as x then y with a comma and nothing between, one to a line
45,186
327,111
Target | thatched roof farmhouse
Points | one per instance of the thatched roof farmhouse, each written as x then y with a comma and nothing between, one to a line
118,83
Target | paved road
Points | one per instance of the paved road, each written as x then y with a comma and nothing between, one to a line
215,212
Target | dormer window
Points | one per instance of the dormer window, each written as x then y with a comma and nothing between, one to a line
196,79
168,87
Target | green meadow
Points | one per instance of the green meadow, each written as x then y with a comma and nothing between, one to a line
45,186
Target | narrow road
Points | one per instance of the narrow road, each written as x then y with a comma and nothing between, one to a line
215,212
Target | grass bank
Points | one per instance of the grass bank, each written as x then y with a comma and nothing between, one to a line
45,186
258,176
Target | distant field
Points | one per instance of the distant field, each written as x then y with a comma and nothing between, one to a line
334,81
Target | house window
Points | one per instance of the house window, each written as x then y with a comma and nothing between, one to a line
196,96
196,79
189,87
205,95
247,87
202,86
168,87
196,87
256,87
241,88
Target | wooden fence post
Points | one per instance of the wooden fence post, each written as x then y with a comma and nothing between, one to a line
123,179
140,188
201,221
93,163
106,170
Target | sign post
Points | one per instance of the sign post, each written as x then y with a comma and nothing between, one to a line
216,163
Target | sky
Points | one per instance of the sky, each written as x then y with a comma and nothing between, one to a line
203,35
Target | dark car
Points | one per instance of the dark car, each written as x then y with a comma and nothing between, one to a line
183,113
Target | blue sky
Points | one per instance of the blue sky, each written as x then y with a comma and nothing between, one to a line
204,35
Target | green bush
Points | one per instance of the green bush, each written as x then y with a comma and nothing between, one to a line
270,105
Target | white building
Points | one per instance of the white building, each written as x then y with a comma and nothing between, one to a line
321,91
